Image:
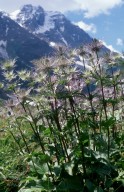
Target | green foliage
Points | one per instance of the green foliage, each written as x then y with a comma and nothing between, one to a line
59,134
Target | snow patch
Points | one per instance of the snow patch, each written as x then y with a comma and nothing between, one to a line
14,14
62,28
109,46
65,42
48,24
3,43
3,52
52,44
28,12
87,66
7,30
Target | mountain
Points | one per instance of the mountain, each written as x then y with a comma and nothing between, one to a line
17,42
51,26
31,33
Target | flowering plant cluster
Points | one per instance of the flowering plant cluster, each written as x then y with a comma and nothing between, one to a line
66,117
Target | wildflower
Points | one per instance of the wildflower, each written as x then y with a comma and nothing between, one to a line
1,85
44,64
10,106
8,65
22,95
74,52
61,51
24,75
39,77
10,103
109,59
9,75
95,46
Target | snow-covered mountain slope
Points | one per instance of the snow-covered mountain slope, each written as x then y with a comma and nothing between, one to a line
16,42
51,26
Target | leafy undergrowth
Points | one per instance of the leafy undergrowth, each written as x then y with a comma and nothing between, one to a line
65,131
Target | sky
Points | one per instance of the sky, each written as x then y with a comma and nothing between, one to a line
102,19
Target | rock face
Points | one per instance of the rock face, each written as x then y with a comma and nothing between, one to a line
50,26
17,42
31,33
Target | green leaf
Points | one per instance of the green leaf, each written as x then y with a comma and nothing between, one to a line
69,168
109,122
57,170
90,186
2,176
71,183
40,168
99,189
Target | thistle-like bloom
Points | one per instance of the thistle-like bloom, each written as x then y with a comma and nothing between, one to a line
22,95
109,59
95,46
61,51
9,75
10,106
9,65
44,64
24,75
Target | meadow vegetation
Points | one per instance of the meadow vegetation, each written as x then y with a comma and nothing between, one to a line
62,128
